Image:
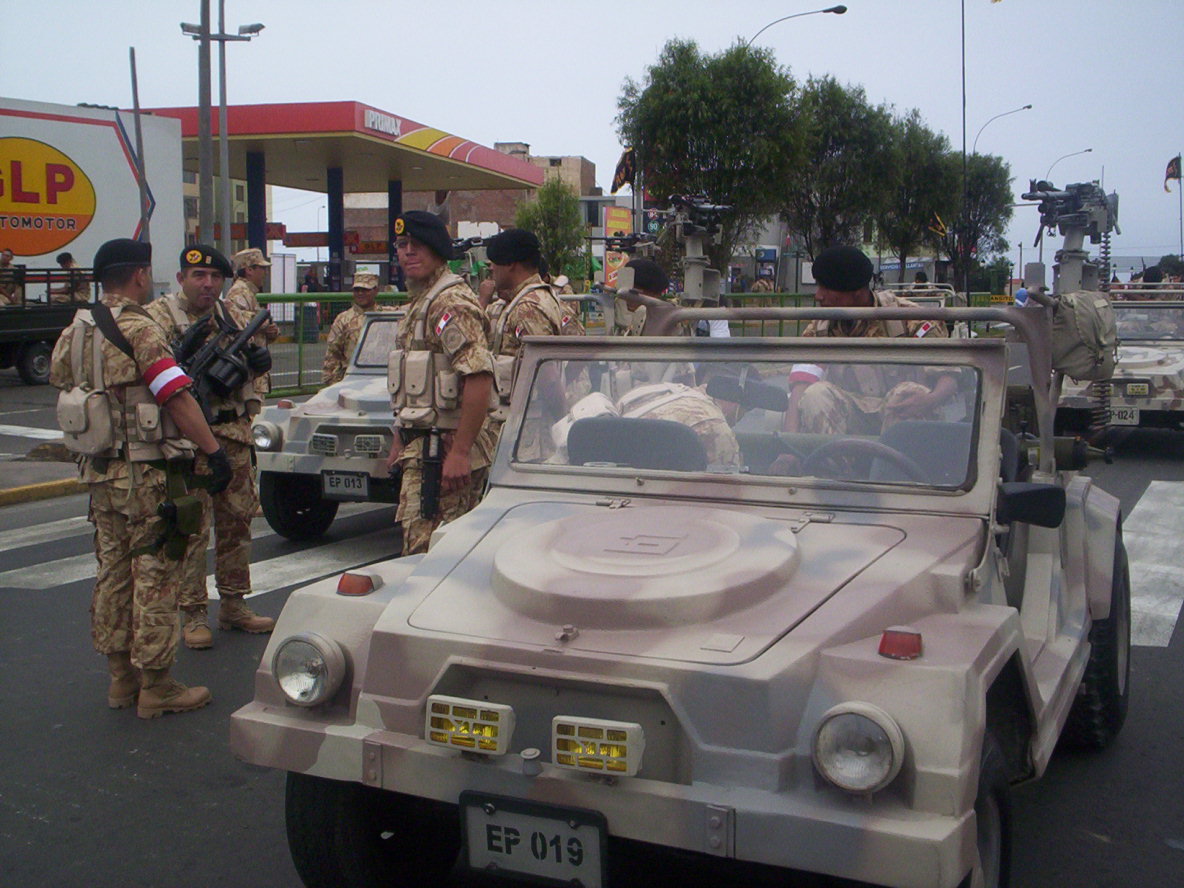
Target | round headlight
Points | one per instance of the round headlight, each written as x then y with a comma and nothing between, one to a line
267,436
309,668
858,747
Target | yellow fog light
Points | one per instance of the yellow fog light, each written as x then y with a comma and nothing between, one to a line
469,725
596,745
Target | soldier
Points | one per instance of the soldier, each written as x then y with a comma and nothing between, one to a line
347,326
78,287
649,280
839,400
203,271
9,291
250,272
710,419
527,307
441,385
134,607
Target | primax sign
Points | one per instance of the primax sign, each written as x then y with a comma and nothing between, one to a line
382,123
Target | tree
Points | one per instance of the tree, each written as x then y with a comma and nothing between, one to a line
554,217
922,188
977,227
1171,264
720,125
841,185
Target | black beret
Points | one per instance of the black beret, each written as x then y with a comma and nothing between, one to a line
205,256
845,269
648,275
513,245
427,228
121,253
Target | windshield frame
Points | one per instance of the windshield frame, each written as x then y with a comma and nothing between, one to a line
1122,306
373,318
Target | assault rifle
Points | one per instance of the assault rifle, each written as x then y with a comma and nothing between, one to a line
217,366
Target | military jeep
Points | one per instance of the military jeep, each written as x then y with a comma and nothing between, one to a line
691,646
331,448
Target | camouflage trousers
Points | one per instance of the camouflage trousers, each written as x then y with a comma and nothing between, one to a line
134,605
231,513
826,409
417,531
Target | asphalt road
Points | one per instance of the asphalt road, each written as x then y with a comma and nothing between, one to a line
91,797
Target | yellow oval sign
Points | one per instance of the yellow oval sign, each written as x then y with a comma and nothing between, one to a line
46,200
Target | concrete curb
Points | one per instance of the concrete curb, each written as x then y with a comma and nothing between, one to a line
45,490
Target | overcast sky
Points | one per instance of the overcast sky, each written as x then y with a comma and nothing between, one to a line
1100,74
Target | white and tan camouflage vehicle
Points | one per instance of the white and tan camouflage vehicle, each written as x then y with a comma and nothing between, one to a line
672,646
332,448
1147,388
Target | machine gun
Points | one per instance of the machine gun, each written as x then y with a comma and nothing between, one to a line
696,222
217,365
461,246
1078,211
630,243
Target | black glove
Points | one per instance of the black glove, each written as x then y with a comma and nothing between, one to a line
220,473
258,359
192,339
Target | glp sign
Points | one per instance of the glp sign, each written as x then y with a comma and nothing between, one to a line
46,200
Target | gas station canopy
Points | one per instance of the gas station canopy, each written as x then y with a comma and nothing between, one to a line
301,141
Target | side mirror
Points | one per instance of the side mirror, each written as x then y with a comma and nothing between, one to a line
1030,503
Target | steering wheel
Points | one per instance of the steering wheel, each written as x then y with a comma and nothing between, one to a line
842,447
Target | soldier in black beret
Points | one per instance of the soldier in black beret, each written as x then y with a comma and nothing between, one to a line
121,253
427,228
205,256
514,245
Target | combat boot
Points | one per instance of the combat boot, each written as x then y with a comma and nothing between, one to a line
125,680
161,693
233,613
196,630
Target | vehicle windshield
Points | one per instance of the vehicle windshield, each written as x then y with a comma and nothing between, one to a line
378,340
884,423
1149,321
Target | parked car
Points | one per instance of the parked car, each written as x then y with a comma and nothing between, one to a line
331,448
666,641
1147,388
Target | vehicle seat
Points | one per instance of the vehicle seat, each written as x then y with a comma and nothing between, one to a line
941,448
1009,460
639,443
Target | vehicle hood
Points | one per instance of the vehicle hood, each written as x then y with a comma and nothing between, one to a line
353,396
686,582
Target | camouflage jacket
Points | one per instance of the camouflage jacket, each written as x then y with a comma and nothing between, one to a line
533,310
343,339
691,407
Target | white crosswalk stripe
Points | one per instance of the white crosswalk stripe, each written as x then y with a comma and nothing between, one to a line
36,434
267,575
1152,536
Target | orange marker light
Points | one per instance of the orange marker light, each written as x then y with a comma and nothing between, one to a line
355,584
285,404
900,643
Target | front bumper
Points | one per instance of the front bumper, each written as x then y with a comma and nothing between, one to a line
811,828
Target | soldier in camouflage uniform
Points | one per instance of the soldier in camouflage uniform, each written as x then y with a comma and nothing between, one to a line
9,291
864,399
134,607
691,407
347,327
528,307
445,327
250,272
203,270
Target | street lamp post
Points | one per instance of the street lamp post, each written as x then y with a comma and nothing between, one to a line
201,34
1063,156
837,10
974,149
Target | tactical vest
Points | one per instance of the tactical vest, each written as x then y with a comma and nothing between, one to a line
96,422
424,389
505,367
245,400
647,398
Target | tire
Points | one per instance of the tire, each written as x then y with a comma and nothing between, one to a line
992,814
345,835
1104,694
293,506
33,363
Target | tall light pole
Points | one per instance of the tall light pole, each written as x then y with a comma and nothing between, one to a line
837,10
974,149
1063,156
201,33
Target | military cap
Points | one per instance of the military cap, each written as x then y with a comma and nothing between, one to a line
844,269
648,275
247,258
205,256
121,253
365,280
513,245
427,228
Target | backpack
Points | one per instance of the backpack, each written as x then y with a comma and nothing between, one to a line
1084,336
83,411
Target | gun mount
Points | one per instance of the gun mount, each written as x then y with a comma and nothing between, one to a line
1078,211
697,222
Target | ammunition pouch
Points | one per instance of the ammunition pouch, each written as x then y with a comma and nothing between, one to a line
424,389
85,421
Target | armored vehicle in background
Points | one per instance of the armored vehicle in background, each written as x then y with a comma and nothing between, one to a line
670,642
331,448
